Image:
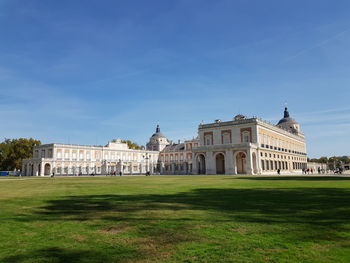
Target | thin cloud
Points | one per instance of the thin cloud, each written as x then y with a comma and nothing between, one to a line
318,45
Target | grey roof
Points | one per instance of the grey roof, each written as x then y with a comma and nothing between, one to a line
286,118
158,134
174,148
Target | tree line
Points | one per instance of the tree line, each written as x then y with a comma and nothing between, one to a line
331,160
13,151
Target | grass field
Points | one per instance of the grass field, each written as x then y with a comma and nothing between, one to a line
175,219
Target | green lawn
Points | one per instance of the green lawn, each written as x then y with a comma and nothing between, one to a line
175,219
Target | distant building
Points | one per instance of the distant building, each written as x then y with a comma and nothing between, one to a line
68,159
241,146
178,158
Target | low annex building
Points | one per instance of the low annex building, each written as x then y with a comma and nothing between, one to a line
241,146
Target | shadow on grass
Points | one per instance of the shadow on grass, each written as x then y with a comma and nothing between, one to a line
314,206
294,178
59,255
164,220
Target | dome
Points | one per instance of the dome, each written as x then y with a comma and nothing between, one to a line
158,134
288,123
286,119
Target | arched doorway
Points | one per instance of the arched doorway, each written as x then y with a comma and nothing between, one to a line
201,164
220,163
241,163
47,169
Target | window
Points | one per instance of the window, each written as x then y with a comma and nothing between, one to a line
246,136
226,137
208,138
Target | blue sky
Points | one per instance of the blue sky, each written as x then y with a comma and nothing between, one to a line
86,72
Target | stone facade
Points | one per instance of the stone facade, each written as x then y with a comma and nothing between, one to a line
178,158
241,146
250,146
67,159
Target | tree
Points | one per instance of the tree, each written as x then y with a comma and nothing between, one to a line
323,159
131,145
12,152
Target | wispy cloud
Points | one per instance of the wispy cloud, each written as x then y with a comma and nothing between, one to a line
318,45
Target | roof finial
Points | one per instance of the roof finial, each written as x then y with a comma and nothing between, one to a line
286,112
157,129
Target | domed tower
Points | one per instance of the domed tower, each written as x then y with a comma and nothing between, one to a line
158,141
288,123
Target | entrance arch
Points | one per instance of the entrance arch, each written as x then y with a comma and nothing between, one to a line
47,169
201,164
241,163
220,163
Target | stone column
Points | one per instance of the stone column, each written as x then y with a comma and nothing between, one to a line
258,162
249,161
234,164
35,169
210,163
42,169
161,168
229,168
194,165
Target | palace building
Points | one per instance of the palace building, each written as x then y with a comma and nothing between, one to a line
250,146
241,146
